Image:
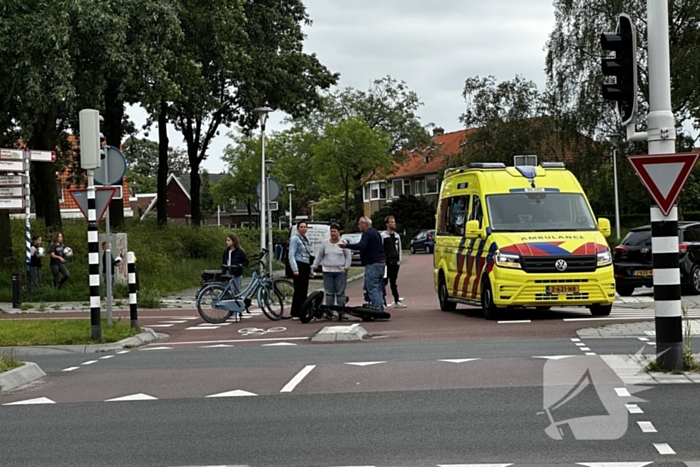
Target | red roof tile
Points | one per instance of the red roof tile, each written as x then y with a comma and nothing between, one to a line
429,159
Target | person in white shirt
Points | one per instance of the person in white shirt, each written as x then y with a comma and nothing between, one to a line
335,262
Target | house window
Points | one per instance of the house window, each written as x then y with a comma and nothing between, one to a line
377,190
397,186
366,193
59,189
418,187
431,184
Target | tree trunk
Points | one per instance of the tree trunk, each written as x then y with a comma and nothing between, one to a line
357,203
162,195
6,258
195,190
114,113
45,137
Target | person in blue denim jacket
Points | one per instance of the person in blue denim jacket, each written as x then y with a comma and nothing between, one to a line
300,259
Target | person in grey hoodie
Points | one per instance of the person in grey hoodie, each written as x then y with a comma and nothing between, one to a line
335,262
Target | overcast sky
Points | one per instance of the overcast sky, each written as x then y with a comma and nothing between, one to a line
431,45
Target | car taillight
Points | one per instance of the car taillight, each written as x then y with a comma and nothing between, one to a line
682,247
621,249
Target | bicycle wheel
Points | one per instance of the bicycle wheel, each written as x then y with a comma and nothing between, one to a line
270,302
205,300
285,288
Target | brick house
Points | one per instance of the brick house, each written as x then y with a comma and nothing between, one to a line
418,175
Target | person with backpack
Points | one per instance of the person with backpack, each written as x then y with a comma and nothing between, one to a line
392,250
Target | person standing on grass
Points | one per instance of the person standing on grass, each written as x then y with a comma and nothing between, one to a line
392,250
335,262
234,261
58,260
300,259
373,259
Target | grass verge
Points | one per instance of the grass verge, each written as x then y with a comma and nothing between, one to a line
59,332
8,363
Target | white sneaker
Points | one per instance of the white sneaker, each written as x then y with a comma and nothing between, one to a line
399,304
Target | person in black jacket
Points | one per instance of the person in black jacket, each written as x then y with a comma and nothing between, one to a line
372,258
35,262
234,260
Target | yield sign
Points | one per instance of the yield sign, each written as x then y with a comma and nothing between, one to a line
664,175
103,196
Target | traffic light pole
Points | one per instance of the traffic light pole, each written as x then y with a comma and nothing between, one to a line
661,136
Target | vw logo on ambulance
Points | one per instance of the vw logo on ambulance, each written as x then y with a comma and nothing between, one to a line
560,265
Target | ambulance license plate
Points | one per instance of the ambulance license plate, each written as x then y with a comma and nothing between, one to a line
561,289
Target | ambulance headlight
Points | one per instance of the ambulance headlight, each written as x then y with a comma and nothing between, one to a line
508,260
604,258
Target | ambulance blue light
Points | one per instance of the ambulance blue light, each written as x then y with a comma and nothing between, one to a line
552,165
487,165
527,171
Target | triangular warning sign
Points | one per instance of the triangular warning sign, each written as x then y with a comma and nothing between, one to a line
103,196
664,175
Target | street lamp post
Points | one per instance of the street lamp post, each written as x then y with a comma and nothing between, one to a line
613,139
262,113
290,188
268,166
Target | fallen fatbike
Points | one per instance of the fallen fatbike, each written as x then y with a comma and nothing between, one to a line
314,308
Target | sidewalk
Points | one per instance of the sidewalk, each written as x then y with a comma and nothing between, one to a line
182,299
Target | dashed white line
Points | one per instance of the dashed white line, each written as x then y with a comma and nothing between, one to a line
518,321
664,448
634,408
589,353
622,392
106,357
289,387
133,397
38,400
647,427
585,349
89,362
70,368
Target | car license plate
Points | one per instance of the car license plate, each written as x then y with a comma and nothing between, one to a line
643,272
561,289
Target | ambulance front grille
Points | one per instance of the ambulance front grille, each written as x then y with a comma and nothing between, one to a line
546,264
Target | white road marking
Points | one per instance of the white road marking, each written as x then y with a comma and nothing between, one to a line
262,339
585,349
106,357
474,465
289,387
634,408
133,397
589,353
123,352
70,368
38,400
159,325
89,362
174,322
235,393
205,328
647,427
519,321
214,346
622,392
277,344
458,360
575,339
664,448
364,363
614,464
158,348
553,357
580,344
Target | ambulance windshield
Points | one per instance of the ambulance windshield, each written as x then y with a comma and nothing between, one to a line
539,212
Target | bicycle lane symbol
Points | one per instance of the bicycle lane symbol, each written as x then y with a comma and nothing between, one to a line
258,331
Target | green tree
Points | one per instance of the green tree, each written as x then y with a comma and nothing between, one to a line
236,57
346,155
412,214
206,198
142,163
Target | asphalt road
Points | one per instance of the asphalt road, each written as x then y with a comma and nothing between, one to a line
428,389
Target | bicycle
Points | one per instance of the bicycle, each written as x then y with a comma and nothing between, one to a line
217,302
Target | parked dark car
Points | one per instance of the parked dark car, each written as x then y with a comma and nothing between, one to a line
632,259
424,241
353,238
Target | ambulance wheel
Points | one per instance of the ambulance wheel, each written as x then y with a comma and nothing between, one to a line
311,306
600,310
442,296
488,307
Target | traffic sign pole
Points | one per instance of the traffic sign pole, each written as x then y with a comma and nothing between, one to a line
27,224
661,136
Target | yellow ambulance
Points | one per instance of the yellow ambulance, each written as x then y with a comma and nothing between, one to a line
522,236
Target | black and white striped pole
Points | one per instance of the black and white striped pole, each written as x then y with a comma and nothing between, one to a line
90,140
131,260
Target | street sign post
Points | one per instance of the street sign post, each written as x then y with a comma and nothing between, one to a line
11,203
103,196
10,191
7,165
10,180
16,154
664,175
42,156
113,167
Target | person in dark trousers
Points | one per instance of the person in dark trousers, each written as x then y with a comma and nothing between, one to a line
58,260
392,250
115,261
35,262
372,258
234,260
300,260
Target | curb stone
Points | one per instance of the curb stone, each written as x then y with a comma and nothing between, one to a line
20,376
